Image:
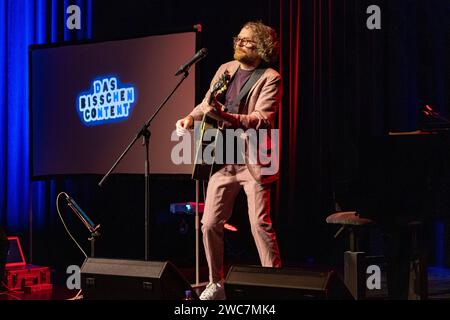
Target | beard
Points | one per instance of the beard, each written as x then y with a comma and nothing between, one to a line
244,57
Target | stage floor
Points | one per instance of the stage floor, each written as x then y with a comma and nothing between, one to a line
438,284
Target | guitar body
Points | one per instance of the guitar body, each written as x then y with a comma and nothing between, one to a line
205,159
205,155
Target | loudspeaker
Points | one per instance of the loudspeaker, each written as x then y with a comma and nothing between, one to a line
254,282
111,279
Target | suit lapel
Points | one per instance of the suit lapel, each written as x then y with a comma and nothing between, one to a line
249,94
233,69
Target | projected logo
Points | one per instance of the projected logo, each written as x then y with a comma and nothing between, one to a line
108,101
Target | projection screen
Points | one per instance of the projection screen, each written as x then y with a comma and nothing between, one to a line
88,101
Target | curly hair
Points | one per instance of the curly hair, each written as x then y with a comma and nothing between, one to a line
267,41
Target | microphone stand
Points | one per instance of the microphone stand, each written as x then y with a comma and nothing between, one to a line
145,133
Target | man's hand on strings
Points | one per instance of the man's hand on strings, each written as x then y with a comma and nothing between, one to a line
183,125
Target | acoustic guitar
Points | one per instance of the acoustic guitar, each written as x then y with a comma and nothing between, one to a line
203,169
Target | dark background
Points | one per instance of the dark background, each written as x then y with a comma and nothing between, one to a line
341,83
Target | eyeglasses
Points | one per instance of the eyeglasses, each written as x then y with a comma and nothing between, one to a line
245,42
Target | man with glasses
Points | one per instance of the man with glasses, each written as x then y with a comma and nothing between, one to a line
251,101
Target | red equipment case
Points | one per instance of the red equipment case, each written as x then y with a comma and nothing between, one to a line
23,277
28,278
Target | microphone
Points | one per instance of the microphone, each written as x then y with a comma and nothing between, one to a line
82,215
196,58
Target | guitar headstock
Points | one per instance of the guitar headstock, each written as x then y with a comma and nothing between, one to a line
221,85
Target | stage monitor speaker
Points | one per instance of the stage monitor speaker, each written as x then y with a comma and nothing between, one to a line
259,283
112,279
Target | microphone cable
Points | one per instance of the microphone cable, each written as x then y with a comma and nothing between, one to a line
64,224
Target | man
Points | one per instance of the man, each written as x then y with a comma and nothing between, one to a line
255,48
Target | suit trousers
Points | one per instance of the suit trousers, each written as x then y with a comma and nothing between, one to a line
223,187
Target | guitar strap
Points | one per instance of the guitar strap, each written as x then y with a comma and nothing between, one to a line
246,88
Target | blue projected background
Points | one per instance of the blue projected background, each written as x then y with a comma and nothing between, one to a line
88,102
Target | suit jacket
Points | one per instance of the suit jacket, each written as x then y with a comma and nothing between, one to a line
261,105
